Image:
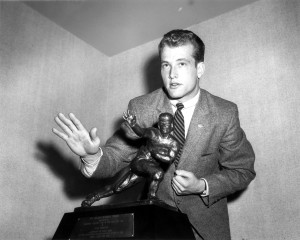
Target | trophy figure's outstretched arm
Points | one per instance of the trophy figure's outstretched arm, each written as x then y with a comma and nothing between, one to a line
130,119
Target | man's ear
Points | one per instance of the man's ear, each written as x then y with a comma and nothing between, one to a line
200,69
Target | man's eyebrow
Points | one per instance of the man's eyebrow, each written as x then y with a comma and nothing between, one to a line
183,59
177,60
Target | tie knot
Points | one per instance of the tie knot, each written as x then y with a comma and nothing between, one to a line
179,106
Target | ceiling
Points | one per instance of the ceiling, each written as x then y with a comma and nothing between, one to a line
114,26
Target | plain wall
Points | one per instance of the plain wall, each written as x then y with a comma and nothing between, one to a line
251,59
43,70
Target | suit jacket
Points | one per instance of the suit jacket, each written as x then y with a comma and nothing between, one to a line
216,149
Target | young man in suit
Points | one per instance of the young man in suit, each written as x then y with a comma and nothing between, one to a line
216,159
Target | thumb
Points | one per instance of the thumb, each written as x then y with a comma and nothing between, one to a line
183,173
94,136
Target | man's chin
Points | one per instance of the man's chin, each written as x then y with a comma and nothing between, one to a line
174,96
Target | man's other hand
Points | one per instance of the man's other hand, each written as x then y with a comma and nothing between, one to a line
185,183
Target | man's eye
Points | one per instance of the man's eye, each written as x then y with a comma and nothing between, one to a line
165,65
181,64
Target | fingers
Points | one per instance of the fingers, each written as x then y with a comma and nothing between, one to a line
181,181
62,124
59,134
184,174
176,183
177,187
187,183
125,116
76,122
128,115
68,122
68,125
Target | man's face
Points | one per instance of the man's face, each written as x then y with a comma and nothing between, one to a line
180,72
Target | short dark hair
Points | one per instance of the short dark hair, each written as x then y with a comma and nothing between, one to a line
181,37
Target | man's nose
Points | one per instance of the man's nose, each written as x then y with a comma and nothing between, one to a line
173,73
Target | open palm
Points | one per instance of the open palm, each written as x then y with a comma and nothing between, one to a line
80,141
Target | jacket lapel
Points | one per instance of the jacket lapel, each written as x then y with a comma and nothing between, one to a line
198,126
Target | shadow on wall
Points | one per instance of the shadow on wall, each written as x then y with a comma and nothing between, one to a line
152,78
77,186
152,74
118,123
235,196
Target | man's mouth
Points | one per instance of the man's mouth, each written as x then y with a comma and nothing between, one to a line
174,85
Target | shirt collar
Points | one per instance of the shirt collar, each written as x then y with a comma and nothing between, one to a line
190,103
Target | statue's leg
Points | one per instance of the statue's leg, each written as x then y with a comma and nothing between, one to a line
94,197
109,190
129,182
124,179
155,180
150,169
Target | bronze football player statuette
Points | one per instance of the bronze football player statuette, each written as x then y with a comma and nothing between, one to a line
161,148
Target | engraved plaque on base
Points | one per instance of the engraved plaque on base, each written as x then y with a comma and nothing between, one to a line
103,227
148,219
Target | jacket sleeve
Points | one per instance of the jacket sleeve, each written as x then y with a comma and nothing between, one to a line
118,151
236,161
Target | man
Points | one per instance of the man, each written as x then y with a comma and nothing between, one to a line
158,153
216,158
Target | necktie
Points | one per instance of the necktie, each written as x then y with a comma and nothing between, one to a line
178,125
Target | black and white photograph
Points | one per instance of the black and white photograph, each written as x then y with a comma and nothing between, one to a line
150,119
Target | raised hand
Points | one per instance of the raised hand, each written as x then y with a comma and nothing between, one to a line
79,140
130,118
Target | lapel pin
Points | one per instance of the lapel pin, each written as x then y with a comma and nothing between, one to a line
200,126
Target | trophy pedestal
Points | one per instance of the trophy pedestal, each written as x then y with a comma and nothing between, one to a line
149,219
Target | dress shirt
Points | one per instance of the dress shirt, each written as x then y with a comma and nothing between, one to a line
89,164
187,112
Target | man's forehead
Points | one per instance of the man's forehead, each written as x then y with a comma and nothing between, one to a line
177,53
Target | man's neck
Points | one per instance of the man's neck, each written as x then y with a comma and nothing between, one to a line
188,103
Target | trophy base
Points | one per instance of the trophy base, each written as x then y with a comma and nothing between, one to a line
147,219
